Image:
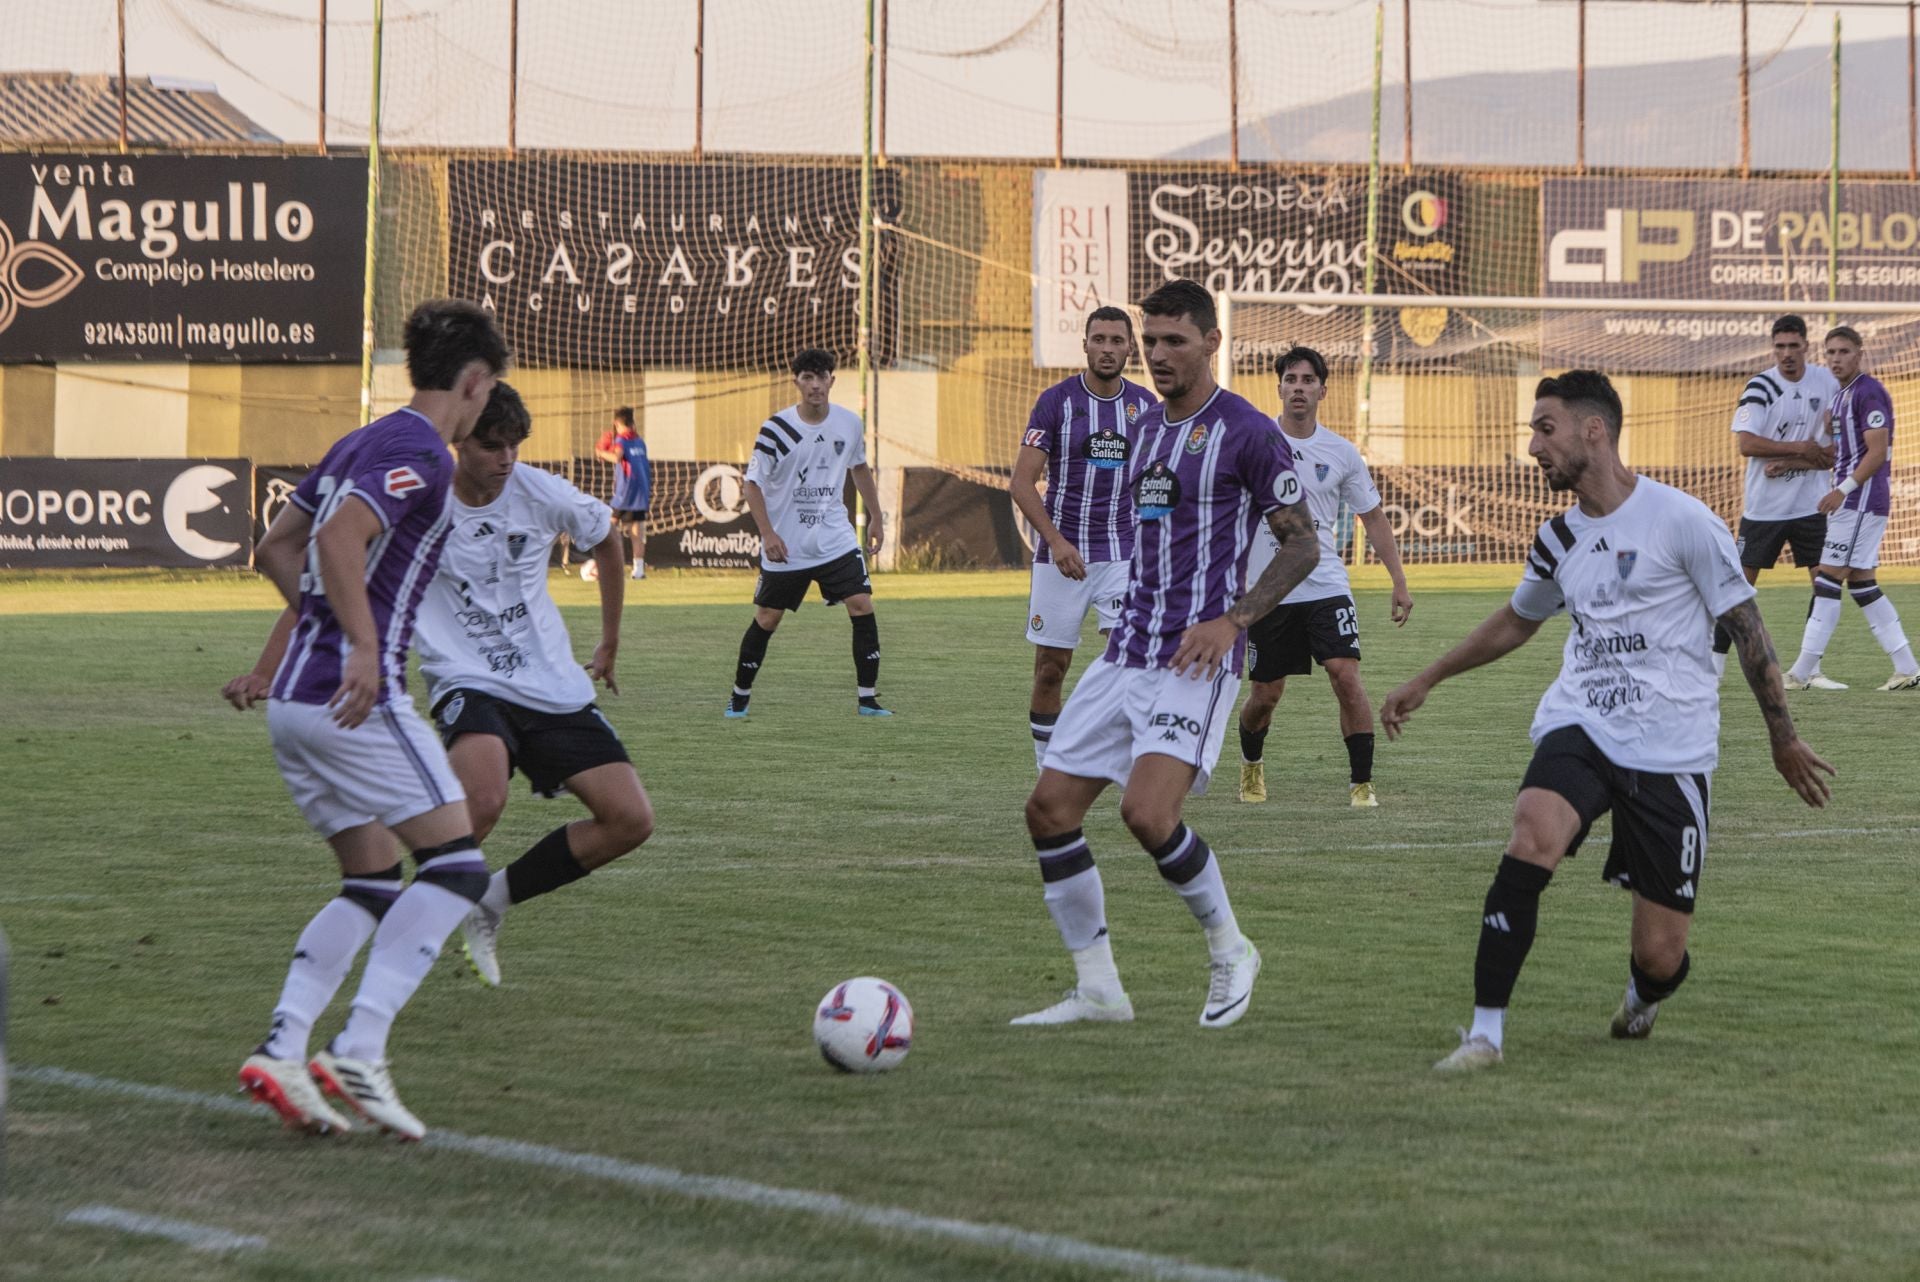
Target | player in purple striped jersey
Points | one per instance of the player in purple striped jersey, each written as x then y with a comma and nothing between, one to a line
353,553
1077,437
1206,469
1856,509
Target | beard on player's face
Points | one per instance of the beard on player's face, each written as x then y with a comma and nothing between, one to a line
1564,473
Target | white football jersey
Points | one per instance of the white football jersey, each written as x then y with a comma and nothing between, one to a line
1776,410
1335,476
487,621
801,468
1643,585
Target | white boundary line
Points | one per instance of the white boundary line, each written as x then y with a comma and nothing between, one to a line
1022,1242
196,1237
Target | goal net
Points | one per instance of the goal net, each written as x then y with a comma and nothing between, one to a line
1441,412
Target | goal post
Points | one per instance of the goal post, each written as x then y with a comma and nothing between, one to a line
1445,434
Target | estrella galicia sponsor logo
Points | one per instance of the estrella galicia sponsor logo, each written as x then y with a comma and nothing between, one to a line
1106,449
1156,493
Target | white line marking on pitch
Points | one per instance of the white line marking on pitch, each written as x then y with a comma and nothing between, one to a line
718,1188
197,1237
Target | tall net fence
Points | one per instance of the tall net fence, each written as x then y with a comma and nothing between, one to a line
663,201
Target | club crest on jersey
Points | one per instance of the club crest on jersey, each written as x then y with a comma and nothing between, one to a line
839,448
1623,562
516,544
1197,438
1133,413
402,481
1320,471
1156,492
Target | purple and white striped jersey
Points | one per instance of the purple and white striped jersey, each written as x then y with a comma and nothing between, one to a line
398,466
1200,488
1086,439
1860,407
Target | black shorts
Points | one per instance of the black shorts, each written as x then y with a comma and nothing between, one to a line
1659,821
626,515
1291,638
548,747
838,579
1761,541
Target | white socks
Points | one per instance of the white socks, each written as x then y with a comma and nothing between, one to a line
1489,1022
1885,622
321,961
497,900
404,949
1078,905
1206,897
1821,622
1094,972
1719,664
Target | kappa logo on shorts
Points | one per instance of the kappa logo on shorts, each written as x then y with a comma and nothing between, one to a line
402,481
451,713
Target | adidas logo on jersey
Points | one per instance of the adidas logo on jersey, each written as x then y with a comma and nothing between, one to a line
483,529
1601,546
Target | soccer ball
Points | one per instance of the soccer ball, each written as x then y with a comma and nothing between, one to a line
863,1026
590,571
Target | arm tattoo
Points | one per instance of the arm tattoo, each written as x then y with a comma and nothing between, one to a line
1762,667
1299,553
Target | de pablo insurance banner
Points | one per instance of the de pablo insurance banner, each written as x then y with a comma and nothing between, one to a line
125,512
1645,238
181,258
611,266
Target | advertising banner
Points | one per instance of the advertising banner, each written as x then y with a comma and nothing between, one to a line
1079,257
125,512
1271,233
1649,238
181,258
610,266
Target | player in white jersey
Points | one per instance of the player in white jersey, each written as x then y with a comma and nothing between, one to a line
1780,427
504,686
1076,439
1632,725
796,483
1857,509
1317,622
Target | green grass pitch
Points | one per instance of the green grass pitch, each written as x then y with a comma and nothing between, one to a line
153,875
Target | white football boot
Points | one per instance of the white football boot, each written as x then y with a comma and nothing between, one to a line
480,940
1076,1007
1230,987
283,1086
365,1086
1471,1054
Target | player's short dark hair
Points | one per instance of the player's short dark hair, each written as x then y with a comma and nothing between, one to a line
444,335
1298,355
1586,391
624,416
1188,298
1109,314
505,420
1847,332
811,360
1789,324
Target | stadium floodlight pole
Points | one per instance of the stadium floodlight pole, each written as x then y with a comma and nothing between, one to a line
699,75
1059,83
1406,85
1373,234
880,92
863,342
513,77
1746,99
1580,98
373,220
322,109
1913,116
1233,85
1833,187
120,26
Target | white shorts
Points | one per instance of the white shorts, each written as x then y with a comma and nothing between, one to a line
1853,539
1057,605
1117,715
387,769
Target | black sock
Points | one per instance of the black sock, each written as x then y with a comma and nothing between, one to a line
1360,756
1651,990
548,865
753,652
1723,639
866,653
1042,723
1506,929
1253,743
